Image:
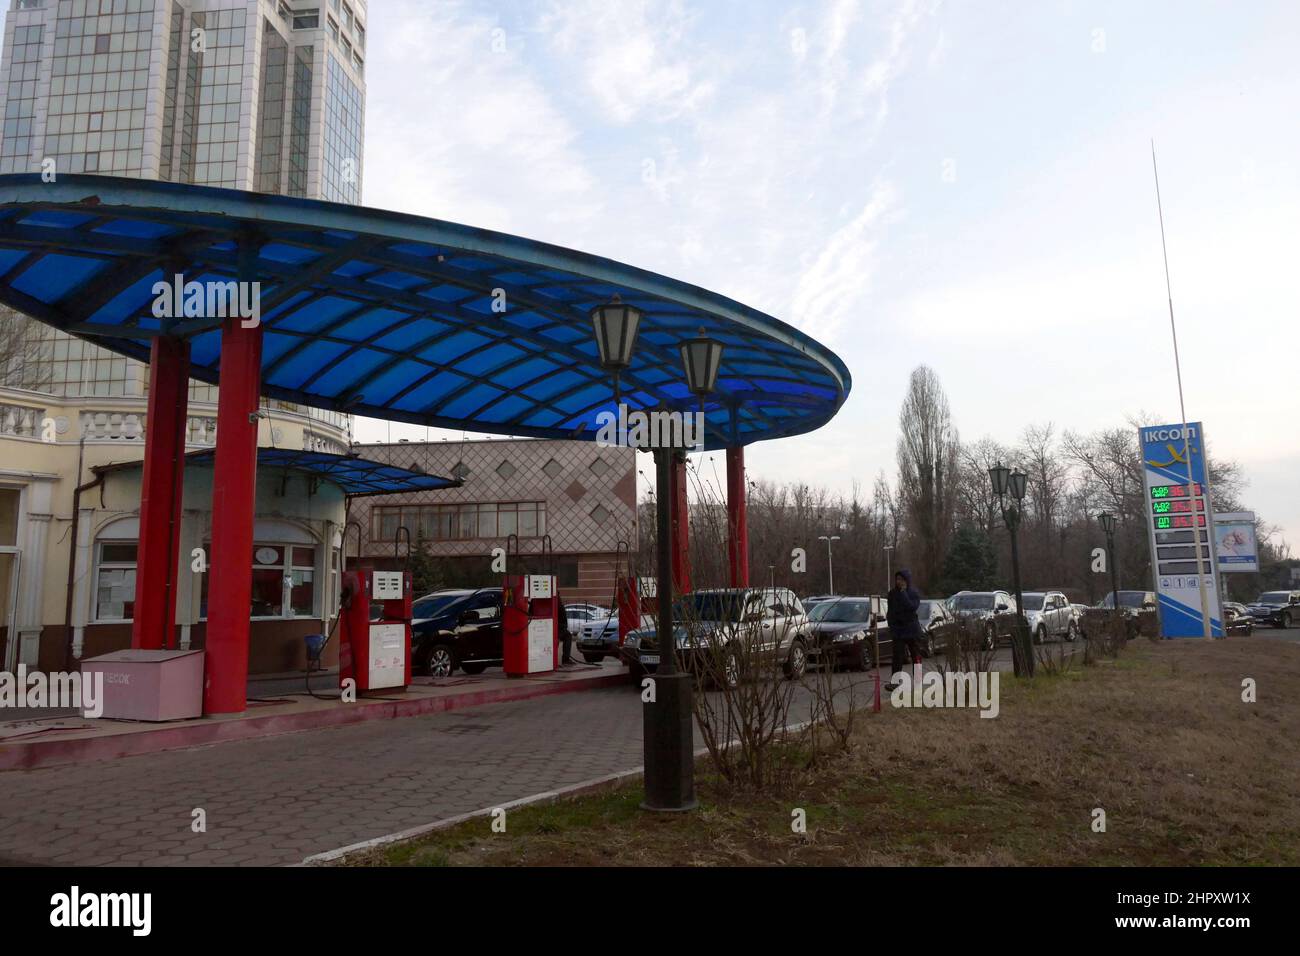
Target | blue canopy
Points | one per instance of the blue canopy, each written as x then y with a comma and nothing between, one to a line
356,476
392,316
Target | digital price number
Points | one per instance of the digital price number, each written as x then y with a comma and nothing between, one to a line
1179,521
1172,491
1177,507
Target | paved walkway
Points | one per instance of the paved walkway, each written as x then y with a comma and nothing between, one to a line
278,800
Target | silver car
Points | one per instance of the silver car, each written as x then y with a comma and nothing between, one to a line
707,622
1050,614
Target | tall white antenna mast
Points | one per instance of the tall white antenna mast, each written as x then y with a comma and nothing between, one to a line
1182,410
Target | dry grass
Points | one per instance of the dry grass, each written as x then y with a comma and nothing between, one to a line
1186,772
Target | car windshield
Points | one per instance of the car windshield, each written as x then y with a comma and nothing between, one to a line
1273,597
973,602
436,604
1033,602
710,607
841,612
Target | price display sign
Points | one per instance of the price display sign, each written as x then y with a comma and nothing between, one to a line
1180,514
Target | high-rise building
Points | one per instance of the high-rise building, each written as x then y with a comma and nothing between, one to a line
250,94
260,95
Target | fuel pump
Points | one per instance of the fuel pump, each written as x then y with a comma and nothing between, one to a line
377,653
529,616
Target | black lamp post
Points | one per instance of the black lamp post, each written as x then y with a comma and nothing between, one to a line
1015,483
668,734
1107,521
616,326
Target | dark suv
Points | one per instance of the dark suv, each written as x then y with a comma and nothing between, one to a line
1138,609
1279,608
990,614
456,628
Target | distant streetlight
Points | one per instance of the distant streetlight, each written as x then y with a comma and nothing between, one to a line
1107,521
1005,481
830,558
889,575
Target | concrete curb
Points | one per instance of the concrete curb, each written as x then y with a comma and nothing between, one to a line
582,788
29,755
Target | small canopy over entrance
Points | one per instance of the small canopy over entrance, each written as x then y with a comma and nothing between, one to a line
356,476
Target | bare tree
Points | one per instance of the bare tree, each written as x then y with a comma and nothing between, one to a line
927,468
23,351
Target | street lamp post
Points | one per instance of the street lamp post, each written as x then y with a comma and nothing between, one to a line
830,558
667,735
1108,526
1005,481
889,570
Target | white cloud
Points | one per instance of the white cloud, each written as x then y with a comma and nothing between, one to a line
631,54
835,287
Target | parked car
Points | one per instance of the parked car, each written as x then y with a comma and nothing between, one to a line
1138,609
598,639
992,614
457,628
841,633
1050,614
578,615
710,621
814,599
937,622
1236,619
1279,608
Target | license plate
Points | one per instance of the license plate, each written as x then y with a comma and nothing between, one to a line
649,658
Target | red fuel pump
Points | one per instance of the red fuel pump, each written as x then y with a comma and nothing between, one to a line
530,625
376,654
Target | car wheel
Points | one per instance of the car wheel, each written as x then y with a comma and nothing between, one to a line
796,665
441,661
1287,620
862,661
1040,635
593,658
927,646
473,668
1072,632
990,641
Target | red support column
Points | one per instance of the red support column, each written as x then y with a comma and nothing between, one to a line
154,619
680,517
234,486
737,522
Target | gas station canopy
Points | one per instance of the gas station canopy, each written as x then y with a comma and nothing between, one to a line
356,476
394,316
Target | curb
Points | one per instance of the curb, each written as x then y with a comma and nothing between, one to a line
30,755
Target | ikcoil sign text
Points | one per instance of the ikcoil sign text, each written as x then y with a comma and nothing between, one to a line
1179,519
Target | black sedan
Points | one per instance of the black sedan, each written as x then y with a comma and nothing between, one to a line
842,632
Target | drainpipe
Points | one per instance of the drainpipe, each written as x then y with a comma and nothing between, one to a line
72,552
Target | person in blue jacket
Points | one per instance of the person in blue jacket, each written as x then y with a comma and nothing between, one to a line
904,624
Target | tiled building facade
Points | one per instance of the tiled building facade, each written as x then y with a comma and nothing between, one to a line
580,494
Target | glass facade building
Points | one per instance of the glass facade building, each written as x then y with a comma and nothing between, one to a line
245,94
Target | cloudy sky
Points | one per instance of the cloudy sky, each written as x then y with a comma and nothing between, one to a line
967,185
